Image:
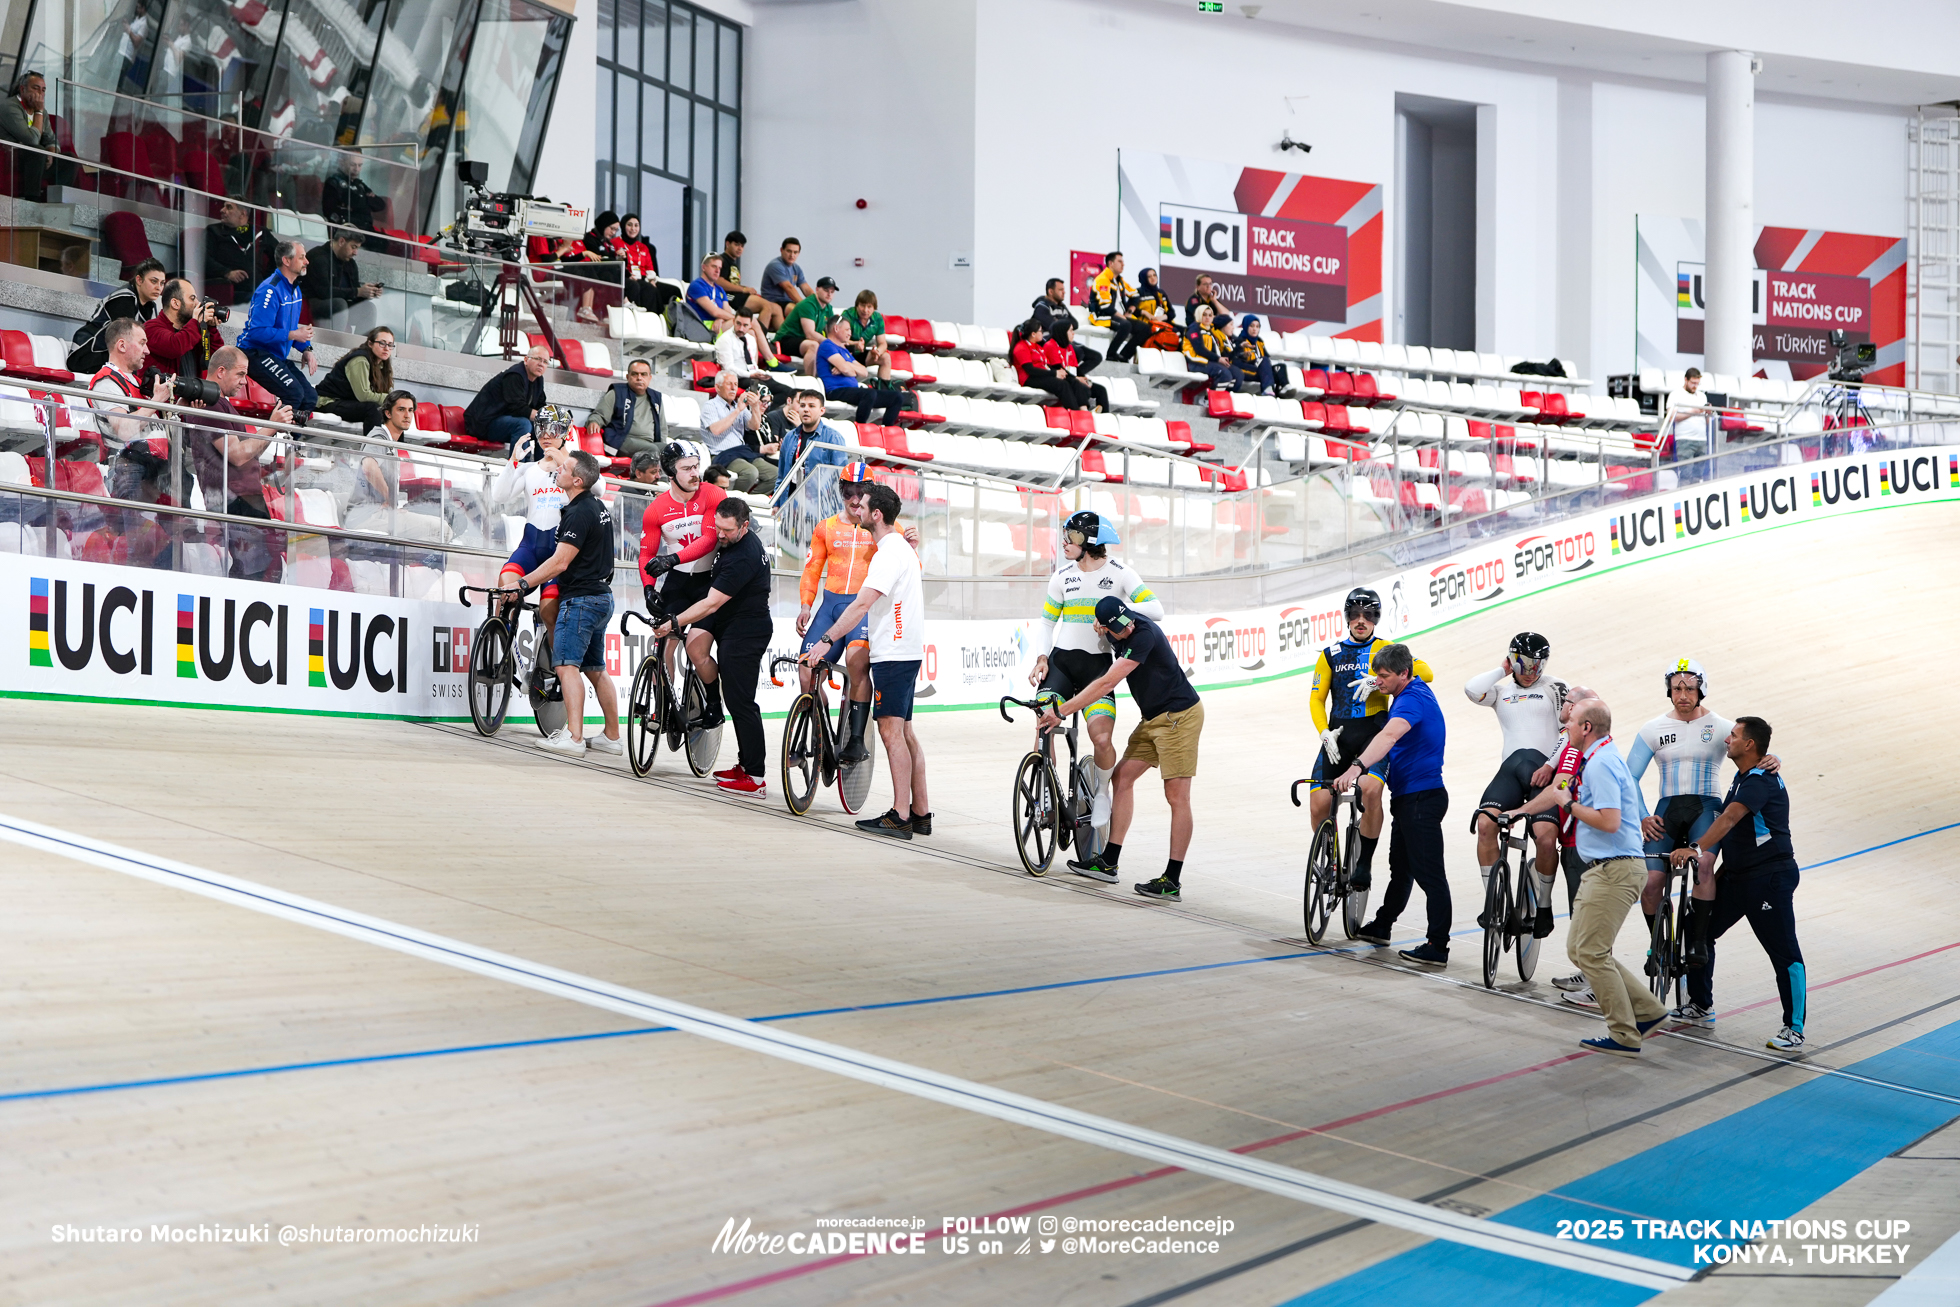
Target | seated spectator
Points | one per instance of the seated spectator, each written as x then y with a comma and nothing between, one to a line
807,324
744,350
570,256
844,377
184,336
782,281
333,283
706,300
346,200
732,422
24,121
868,332
1202,354
503,410
1256,370
236,257
609,267
1205,294
273,331
1155,309
1060,355
119,420
807,440
767,311
642,268
138,299
627,417
225,455
377,474
723,478
1112,305
646,467
1030,358
1051,308
354,387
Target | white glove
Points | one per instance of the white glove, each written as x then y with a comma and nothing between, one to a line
1365,687
1330,742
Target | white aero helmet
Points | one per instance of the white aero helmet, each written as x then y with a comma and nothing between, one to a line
1685,667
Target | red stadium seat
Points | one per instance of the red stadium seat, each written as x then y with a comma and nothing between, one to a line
1057,418
705,371
1364,389
17,359
1340,387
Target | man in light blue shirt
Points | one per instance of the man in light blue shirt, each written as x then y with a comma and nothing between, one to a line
1609,810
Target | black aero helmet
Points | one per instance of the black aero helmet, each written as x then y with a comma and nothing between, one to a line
1530,644
676,450
1364,601
1089,528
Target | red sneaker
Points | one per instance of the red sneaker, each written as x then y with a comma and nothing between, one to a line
743,783
727,774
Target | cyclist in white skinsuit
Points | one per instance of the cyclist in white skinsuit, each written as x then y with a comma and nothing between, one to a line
1527,703
532,474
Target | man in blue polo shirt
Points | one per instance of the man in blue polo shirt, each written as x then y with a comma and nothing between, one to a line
1412,741
1758,880
1608,809
707,300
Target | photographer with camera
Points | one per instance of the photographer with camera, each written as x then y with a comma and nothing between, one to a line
224,453
732,419
183,338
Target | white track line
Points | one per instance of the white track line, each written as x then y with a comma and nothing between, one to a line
1301,1186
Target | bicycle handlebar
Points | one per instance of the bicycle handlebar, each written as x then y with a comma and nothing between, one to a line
654,621
1499,817
1032,705
1295,791
823,667
463,595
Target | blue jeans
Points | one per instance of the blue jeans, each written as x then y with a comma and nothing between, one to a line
283,379
505,430
579,638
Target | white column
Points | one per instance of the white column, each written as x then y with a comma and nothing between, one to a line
1731,194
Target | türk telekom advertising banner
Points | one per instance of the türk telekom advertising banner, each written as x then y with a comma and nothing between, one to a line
90,630
1301,252
1807,285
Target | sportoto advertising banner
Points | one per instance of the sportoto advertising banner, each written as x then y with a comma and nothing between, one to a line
1807,285
1302,252
97,631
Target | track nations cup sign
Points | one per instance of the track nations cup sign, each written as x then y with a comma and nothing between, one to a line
96,631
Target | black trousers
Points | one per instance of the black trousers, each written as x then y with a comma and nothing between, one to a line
1415,857
867,399
1125,334
739,651
1767,899
1086,359
358,411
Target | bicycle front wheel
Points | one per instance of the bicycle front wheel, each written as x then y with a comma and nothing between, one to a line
854,778
703,746
1323,876
1527,922
642,717
802,763
546,695
1660,950
491,674
1354,904
1037,814
1497,912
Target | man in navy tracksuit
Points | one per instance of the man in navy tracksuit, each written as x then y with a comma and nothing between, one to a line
273,329
1758,880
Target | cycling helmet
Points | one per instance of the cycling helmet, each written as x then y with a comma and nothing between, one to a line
1364,600
1087,528
552,420
854,475
1686,667
676,450
1530,644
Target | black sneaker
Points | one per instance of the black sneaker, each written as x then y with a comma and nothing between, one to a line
1360,881
854,751
1373,932
891,824
922,823
1483,921
1427,955
1095,869
708,720
1543,926
1653,967
1161,888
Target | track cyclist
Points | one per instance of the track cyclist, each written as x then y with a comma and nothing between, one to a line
533,474
677,547
1690,743
1073,655
1349,711
1529,705
840,552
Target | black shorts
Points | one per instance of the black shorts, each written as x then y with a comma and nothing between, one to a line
680,591
1512,786
1357,733
1070,672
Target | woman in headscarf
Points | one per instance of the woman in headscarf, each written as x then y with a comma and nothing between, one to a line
602,243
642,267
1255,368
1067,367
1203,355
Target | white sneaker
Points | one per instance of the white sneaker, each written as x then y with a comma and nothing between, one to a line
561,741
600,744
1694,1014
1576,980
1786,1039
1582,998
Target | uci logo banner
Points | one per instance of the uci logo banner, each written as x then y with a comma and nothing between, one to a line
1208,240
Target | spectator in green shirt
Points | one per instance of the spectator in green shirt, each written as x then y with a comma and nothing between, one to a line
807,323
868,330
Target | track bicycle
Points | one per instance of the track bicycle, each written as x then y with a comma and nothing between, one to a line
1046,819
812,744
495,666
1509,919
1667,964
1330,869
654,711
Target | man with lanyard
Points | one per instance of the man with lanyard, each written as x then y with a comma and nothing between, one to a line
582,562
734,614
1527,703
1556,779
677,541
1690,743
128,347
1166,738
1072,655
1609,809
1412,740
840,554
1348,709
531,475
1758,881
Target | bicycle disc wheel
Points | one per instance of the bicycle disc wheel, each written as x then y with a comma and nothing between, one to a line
1087,838
1354,905
1323,876
703,746
490,677
802,762
541,687
1497,907
1037,814
1660,950
1527,904
642,726
854,778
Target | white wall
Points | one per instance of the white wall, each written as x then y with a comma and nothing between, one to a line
567,164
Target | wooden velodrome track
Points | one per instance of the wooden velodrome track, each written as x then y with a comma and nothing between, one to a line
180,1061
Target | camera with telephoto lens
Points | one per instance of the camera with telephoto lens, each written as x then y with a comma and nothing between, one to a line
195,390
1849,358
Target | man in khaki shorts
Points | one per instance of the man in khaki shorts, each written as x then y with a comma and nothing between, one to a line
1166,738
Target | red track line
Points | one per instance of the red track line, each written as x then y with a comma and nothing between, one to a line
1883,966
